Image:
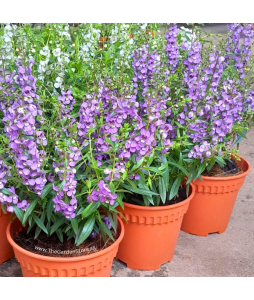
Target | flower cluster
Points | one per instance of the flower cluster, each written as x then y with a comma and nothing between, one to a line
21,127
65,169
145,64
172,47
103,194
241,52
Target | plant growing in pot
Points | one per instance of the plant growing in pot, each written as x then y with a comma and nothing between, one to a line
226,114
157,169
65,174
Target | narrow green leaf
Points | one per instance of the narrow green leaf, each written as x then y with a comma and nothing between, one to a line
200,170
60,235
6,192
46,190
175,187
57,224
87,230
40,224
165,176
90,209
179,167
74,224
29,210
50,208
19,213
138,191
114,225
162,189
105,229
132,183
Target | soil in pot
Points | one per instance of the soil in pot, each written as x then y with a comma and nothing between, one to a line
51,246
231,168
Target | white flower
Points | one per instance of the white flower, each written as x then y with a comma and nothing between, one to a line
57,52
57,85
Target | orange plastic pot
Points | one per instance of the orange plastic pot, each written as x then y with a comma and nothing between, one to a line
102,41
151,234
150,31
211,207
6,251
98,264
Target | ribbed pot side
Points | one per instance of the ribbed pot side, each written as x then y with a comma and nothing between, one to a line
212,205
151,234
98,264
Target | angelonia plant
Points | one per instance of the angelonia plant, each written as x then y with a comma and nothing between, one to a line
86,126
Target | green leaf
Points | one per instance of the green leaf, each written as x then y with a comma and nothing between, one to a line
87,230
220,161
110,142
57,224
74,224
38,229
47,189
6,192
147,198
105,229
132,183
90,209
179,167
156,170
165,176
29,210
138,164
150,159
138,191
112,187
162,189
60,235
175,187
119,199
19,213
40,224
114,225
50,208
200,170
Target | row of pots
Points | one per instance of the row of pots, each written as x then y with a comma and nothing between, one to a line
149,238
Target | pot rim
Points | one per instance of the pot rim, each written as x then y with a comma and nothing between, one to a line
229,177
166,207
64,259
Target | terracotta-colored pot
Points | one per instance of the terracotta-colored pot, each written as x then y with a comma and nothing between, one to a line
150,31
97,264
102,41
151,234
211,207
6,251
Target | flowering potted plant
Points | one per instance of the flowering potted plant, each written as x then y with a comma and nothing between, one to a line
225,114
157,168
59,184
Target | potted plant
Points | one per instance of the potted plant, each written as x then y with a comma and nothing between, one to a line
227,120
62,158
159,195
